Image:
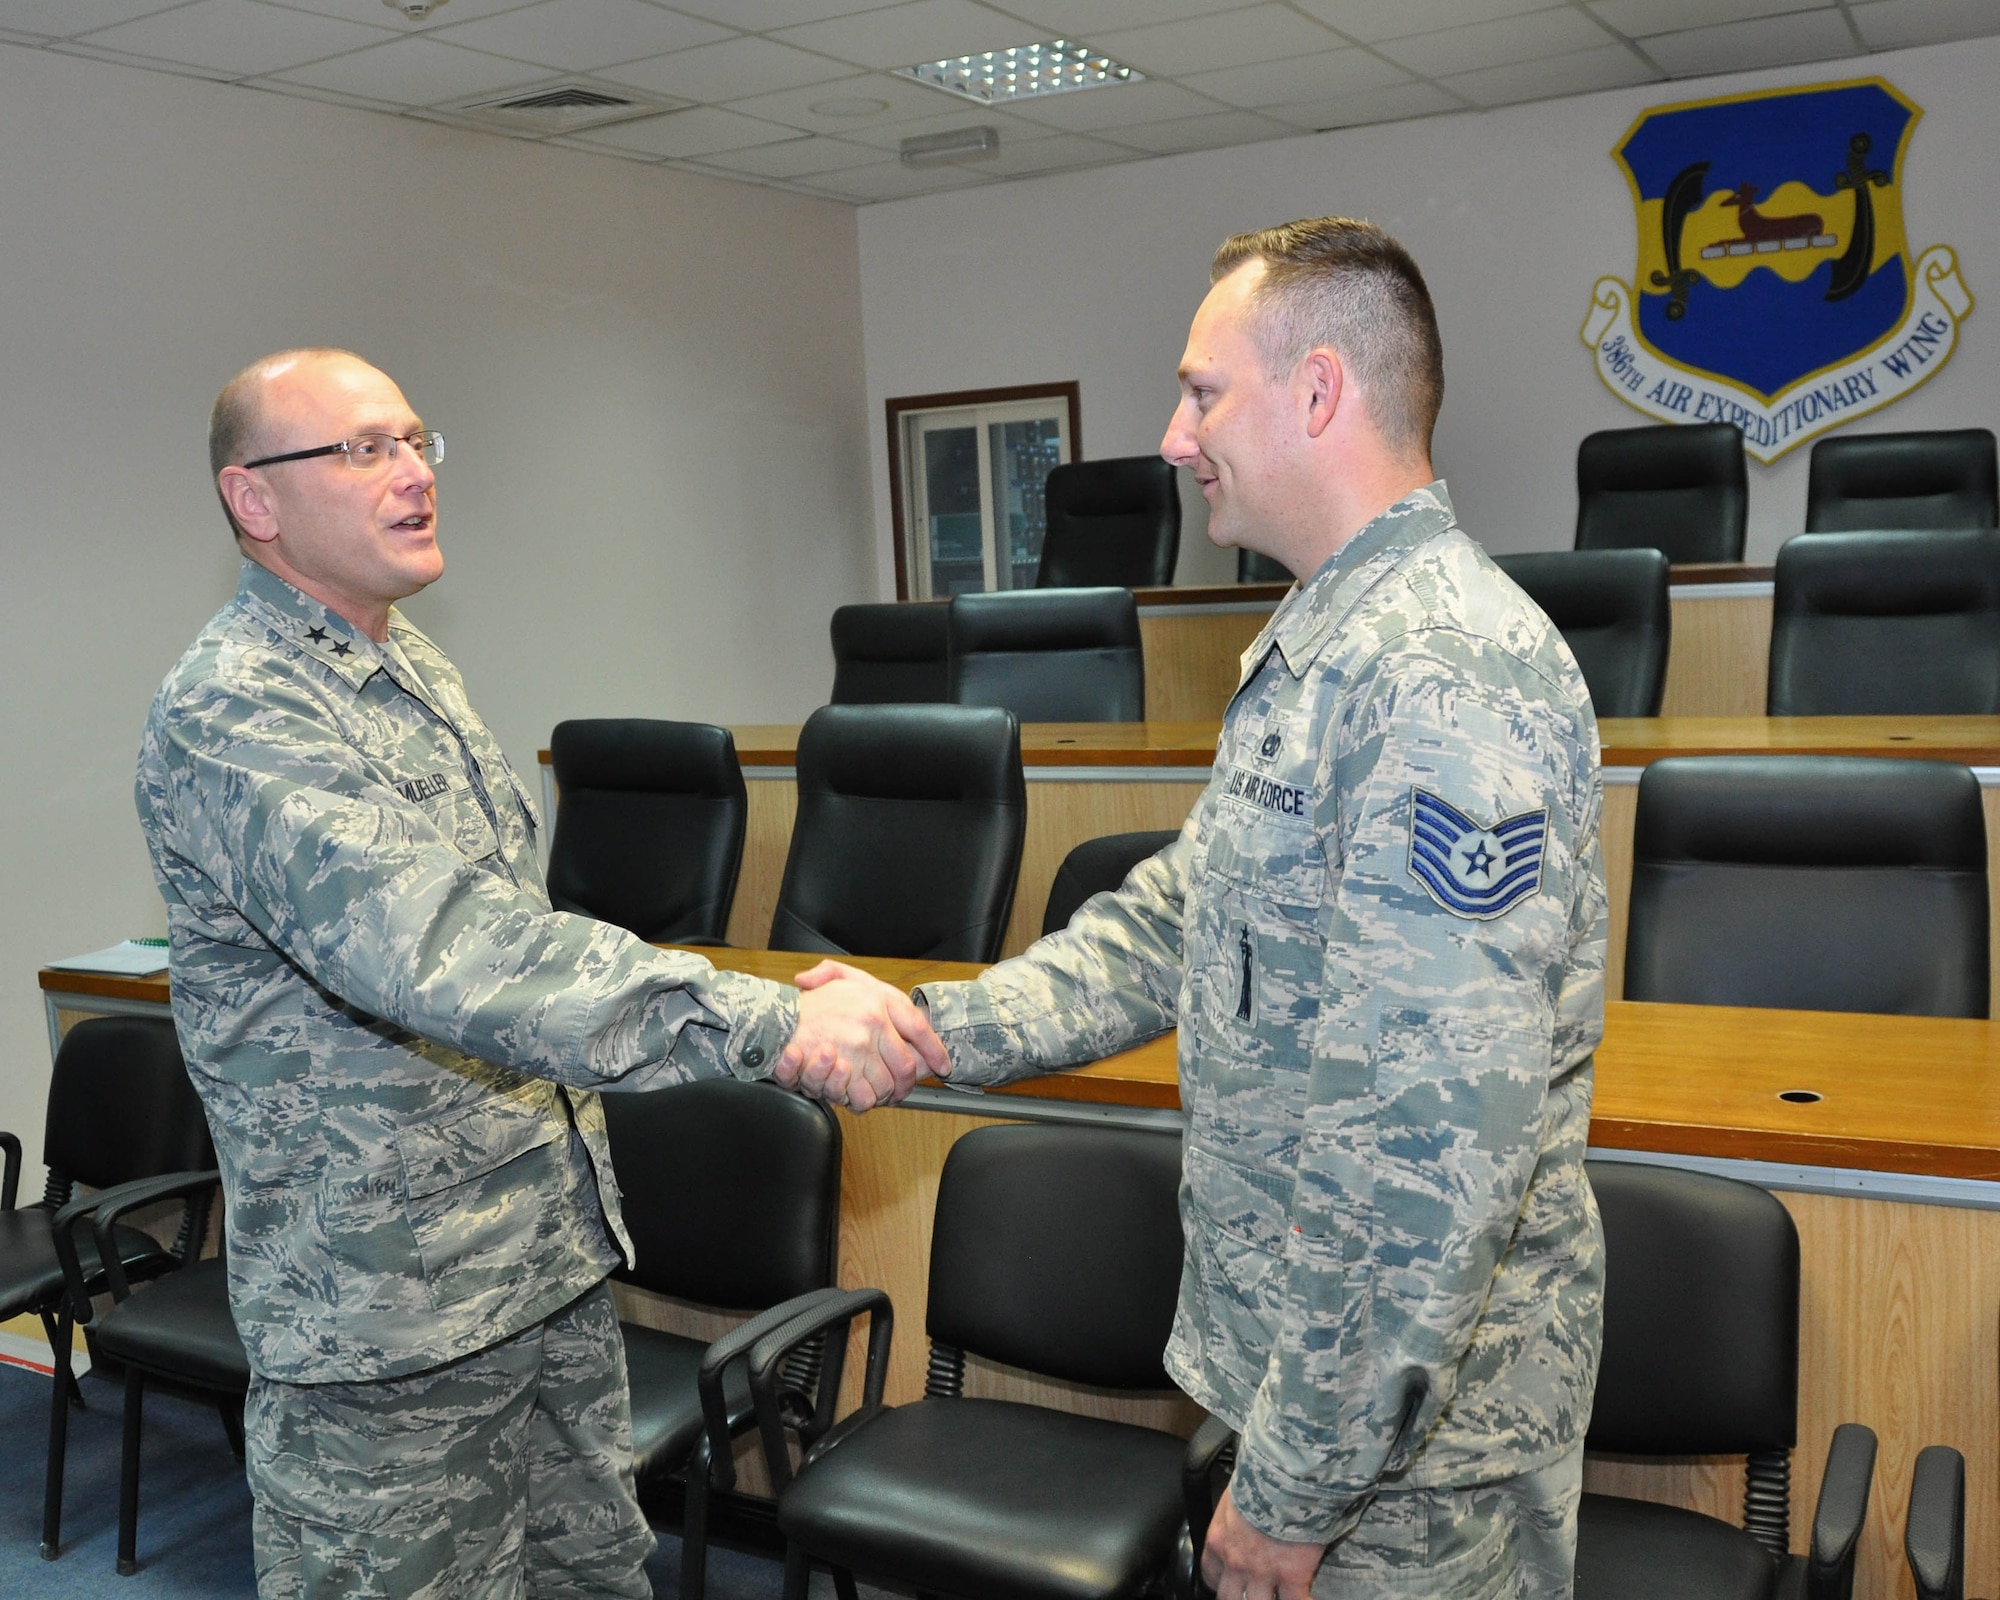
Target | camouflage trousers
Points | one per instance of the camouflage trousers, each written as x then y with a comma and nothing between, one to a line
502,1475
1512,1540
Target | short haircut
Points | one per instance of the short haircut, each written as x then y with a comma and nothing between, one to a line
1346,285
236,426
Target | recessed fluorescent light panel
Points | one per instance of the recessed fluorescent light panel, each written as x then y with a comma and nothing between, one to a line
1023,72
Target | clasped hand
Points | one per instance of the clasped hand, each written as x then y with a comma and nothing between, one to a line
860,1042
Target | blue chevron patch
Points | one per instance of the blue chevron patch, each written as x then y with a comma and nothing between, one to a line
1473,871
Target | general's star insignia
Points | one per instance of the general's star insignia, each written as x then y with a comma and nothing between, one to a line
317,635
341,647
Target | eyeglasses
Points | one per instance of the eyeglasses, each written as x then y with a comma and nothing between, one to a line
366,451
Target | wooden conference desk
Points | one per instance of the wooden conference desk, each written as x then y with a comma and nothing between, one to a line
1892,1174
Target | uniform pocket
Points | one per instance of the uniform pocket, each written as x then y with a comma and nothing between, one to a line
457,814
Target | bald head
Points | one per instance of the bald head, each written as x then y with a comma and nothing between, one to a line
241,425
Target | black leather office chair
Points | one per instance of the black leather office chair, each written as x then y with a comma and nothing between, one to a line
1682,490
1098,865
894,654
1946,479
908,835
1873,624
1056,1250
1816,883
174,1334
1111,522
732,1197
649,826
1050,655
120,1109
1611,608
1253,568
1934,1533
1701,1358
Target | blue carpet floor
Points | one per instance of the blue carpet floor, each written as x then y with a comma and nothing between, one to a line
194,1509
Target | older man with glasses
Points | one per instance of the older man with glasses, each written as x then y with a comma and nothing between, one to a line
398,1041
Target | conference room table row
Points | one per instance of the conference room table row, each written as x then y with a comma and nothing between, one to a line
1881,1135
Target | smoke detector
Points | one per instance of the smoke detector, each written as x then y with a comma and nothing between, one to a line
415,10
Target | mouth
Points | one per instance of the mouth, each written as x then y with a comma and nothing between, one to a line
416,522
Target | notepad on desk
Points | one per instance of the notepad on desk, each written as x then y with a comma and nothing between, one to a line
131,958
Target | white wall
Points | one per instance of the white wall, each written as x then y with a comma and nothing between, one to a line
651,385
1512,214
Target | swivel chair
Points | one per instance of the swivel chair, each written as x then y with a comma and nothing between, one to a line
892,654
1942,479
1611,608
1050,655
1934,1532
1253,568
1679,489
1115,522
1096,866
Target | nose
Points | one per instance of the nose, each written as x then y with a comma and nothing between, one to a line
1178,446
412,469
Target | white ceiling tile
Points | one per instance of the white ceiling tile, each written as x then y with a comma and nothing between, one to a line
413,72
1638,17
65,19
1115,106
1892,24
1213,132
902,36
375,11
1227,39
1539,34
580,35
1739,46
795,158
1609,66
238,37
1331,72
698,131
731,70
1391,104
890,136
757,16
891,181
1085,19
1370,20
901,99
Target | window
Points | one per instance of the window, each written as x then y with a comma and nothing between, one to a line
966,473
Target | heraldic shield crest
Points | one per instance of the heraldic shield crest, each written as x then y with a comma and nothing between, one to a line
1775,287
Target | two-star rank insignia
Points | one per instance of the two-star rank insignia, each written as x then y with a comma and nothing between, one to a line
341,647
317,635
1470,870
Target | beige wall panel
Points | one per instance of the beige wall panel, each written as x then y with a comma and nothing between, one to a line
1720,661
767,836
1192,660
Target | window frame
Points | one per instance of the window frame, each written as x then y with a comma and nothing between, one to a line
897,407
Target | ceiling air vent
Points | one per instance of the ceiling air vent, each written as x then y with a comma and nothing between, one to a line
564,107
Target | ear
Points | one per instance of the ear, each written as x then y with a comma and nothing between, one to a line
249,501
1324,380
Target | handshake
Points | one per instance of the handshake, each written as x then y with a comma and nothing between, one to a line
860,1042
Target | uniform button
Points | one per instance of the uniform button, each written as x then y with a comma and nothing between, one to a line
754,1056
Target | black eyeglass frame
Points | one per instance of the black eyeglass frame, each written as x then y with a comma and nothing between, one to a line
416,443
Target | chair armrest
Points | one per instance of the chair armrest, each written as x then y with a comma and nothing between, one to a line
1934,1537
1212,1448
767,1356
1841,1512
10,1180
109,1205
734,1346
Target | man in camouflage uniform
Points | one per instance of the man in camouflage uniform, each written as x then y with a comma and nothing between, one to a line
397,1041
1381,935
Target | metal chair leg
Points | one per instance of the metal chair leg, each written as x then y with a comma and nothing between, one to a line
843,1584
231,1412
128,1474
798,1572
60,1386
58,1345
694,1524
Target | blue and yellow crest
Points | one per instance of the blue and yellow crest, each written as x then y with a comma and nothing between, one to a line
1775,285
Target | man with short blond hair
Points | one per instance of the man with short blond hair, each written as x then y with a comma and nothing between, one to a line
398,1042
1381,936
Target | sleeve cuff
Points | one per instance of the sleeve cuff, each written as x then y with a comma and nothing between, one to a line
763,1017
1283,1507
963,1016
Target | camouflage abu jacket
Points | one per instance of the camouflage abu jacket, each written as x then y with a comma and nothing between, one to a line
1381,934
394,1035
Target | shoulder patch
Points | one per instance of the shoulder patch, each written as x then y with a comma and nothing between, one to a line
1470,870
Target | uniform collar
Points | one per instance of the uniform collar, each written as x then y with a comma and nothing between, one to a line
1311,613
304,622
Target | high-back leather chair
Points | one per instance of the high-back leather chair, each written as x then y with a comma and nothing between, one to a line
890,654
1098,865
1050,655
908,835
1056,1250
1680,489
1611,608
1814,883
1942,479
649,826
1701,1358
1111,522
1874,624
1253,568
731,1192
